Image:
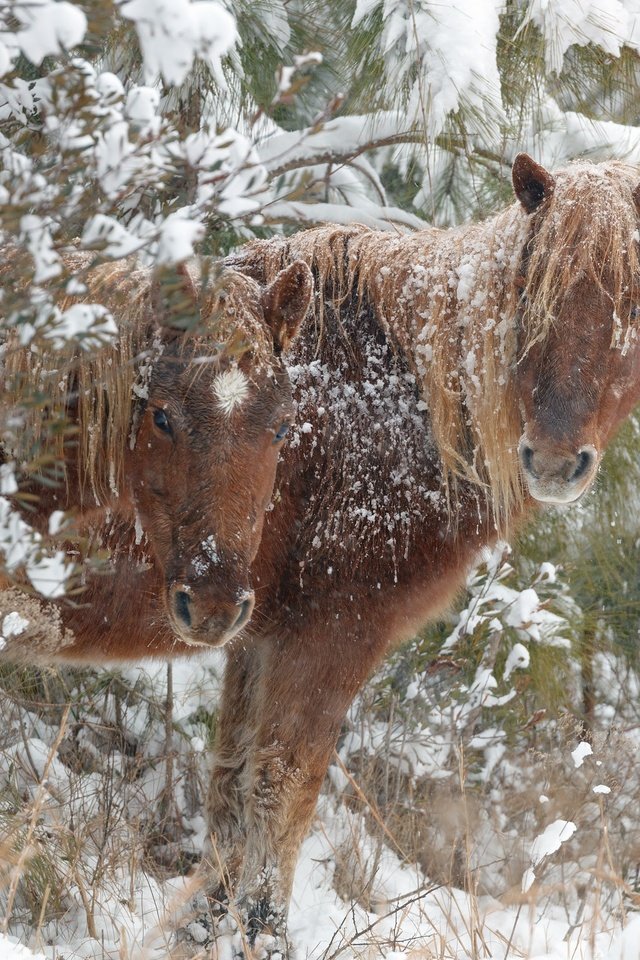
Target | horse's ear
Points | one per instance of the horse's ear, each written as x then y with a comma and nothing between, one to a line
175,301
531,182
285,302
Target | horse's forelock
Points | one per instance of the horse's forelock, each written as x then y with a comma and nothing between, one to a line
588,229
231,314
112,382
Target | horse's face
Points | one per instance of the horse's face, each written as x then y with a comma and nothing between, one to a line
577,383
204,465
575,391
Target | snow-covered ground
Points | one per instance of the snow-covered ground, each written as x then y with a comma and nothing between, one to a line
412,918
92,875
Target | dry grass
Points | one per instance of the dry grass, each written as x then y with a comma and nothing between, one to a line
100,793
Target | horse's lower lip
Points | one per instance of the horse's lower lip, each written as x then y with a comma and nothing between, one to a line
544,494
206,642
194,642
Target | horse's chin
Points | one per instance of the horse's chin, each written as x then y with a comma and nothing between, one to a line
203,642
205,639
556,495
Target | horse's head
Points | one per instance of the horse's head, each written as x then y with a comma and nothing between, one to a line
203,466
578,368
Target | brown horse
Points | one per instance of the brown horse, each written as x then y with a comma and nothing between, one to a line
444,382
157,424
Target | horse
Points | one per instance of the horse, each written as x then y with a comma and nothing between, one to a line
190,398
445,384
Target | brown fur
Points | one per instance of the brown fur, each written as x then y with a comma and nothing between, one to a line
442,382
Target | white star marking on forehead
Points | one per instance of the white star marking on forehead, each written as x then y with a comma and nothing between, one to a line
230,389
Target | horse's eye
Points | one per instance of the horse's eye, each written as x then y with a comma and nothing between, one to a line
161,421
281,432
634,313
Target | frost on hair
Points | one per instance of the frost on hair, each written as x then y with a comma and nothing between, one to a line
230,389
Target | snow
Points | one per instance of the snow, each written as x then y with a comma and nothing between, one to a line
608,23
454,46
8,482
523,608
581,752
287,74
551,839
48,28
370,214
141,104
109,236
545,844
13,625
408,914
177,235
518,659
56,522
23,547
173,32
49,574
10,949
90,324
211,549
35,232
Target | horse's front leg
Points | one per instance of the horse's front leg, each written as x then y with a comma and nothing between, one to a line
226,800
305,690
225,805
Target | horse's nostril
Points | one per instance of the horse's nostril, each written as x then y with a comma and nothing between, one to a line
182,605
526,454
245,611
584,461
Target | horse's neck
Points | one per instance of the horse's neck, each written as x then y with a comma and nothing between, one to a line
436,278
371,379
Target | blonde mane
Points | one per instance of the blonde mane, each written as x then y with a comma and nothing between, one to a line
110,382
451,301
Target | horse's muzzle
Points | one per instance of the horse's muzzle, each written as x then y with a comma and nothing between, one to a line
202,621
557,476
